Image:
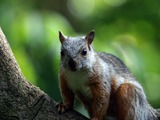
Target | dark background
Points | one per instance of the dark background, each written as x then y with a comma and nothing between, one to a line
128,29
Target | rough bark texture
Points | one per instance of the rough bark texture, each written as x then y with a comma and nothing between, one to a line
20,100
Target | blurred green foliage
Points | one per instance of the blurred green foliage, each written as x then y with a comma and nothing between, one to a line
128,29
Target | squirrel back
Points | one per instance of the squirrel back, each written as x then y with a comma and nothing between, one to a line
116,64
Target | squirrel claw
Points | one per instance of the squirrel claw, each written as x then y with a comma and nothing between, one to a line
62,108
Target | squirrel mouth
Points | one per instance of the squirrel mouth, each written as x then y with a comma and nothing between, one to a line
73,69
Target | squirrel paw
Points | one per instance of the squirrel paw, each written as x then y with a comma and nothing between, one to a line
62,108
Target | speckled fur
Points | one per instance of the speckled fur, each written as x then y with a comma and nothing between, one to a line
101,82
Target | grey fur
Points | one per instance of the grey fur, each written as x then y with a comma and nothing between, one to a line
115,63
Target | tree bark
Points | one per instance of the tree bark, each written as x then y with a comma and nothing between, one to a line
20,100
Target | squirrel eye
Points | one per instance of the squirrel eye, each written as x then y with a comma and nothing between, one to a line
84,52
62,53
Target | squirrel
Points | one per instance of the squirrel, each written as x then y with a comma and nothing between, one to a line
101,81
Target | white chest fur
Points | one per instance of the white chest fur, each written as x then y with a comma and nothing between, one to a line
77,81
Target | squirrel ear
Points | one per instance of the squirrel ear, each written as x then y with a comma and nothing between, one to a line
90,37
61,37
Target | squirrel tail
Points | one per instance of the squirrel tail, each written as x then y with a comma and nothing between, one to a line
157,113
132,103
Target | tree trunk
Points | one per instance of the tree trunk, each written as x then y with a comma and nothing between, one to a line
20,100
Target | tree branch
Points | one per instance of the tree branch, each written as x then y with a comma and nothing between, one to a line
20,100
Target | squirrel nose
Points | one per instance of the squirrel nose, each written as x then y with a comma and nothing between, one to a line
72,64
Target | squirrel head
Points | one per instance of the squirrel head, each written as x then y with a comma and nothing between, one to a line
76,52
